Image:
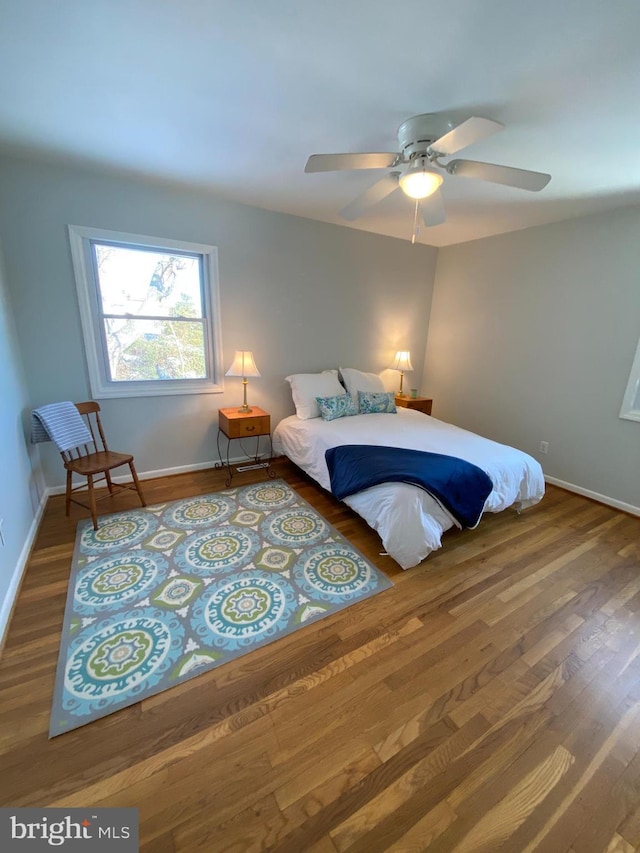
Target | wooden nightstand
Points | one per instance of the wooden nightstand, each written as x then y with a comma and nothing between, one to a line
420,404
238,425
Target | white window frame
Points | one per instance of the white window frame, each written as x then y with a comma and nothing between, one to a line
102,386
630,410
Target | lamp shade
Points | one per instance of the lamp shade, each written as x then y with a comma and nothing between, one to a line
243,364
402,361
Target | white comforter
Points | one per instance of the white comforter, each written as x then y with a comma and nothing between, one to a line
409,521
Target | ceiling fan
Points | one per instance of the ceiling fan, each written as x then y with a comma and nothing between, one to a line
416,168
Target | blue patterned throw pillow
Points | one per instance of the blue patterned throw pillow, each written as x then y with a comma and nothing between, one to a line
341,406
373,402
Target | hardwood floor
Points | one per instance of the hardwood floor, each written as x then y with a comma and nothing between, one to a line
489,701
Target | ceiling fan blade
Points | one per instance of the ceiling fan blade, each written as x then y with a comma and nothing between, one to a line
341,162
521,178
433,209
372,196
472,130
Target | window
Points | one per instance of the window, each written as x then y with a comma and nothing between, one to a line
150,313
631,403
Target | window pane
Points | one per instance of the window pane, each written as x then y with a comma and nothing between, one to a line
155,349
151,283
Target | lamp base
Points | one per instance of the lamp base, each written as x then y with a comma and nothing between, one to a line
245,409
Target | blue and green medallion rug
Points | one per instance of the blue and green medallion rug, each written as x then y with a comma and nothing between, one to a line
161,594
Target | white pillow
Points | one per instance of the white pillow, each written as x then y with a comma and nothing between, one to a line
356,380
305,387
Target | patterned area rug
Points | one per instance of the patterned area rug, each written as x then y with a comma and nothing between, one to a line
159,595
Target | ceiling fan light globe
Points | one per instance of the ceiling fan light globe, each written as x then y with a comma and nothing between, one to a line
420,183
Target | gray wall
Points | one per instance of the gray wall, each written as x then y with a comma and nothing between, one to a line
531,339
302,295
19,495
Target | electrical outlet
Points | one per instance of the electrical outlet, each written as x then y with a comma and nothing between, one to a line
544,447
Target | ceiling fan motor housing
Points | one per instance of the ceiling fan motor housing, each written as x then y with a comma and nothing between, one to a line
416,134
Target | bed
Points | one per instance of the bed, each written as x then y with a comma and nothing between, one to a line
408,520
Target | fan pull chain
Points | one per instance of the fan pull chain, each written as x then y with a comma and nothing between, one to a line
416,227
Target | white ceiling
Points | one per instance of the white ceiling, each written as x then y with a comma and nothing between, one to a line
233,96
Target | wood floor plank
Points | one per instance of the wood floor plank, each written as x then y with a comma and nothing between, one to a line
330,777
489,700
629,829
398,792
617,844
251,830
423,834
162,844
502,820
544,838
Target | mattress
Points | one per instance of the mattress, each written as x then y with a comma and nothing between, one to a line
408,520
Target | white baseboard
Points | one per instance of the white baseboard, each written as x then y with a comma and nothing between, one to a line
587,493
160,472
7,606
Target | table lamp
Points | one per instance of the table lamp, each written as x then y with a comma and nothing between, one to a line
402,362
243,365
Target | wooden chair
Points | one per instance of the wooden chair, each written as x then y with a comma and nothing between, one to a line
101,461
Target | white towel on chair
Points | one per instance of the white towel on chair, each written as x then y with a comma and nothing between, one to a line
60,423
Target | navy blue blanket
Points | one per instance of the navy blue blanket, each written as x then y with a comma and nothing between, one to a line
462,488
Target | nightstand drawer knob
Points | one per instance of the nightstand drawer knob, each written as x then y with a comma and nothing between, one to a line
249,428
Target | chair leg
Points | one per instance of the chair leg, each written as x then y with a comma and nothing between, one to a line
107,475
137,483
67,504
92,501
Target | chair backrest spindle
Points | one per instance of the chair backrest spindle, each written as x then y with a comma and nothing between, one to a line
102,438
93,435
